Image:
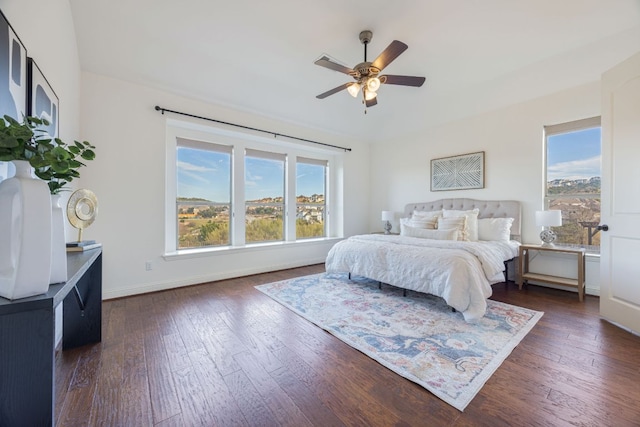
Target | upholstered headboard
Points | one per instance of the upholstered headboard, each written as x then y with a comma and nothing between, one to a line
488,209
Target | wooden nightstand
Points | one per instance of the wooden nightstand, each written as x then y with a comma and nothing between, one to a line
525,275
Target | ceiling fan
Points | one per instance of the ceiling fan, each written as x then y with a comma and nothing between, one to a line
367,74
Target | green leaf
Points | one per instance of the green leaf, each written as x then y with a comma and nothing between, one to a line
88,155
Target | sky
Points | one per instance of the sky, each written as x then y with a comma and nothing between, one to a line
574,155
205,174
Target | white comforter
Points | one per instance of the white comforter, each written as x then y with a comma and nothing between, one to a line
459,272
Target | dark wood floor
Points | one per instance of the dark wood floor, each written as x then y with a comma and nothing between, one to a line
223,354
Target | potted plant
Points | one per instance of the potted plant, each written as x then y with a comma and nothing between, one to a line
35,248
53,160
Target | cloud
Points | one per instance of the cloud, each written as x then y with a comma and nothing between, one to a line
194,171
576,169
190,167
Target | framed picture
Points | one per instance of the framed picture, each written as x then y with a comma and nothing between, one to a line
13,72
458,172
42,101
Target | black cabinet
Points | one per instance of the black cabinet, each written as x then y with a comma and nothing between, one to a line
27,335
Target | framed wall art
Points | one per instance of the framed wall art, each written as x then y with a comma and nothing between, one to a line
42,101
13,72
13,80
458,172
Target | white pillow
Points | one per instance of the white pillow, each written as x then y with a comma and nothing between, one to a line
428,214
495,229
472,221
421,222
458,223
450,234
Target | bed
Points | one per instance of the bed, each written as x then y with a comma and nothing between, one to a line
461,271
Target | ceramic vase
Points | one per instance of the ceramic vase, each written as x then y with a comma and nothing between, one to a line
58,242
25,227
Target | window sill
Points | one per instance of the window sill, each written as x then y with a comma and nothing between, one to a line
253,247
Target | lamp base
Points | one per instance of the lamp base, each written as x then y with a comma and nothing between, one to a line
387,227
548,237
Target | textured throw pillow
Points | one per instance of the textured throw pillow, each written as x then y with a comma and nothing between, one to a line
420,222
450,234
458,223
472,221
428,214
495,229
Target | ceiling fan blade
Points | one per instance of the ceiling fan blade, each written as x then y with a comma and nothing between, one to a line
334,90
371,102
327,63
389,54
390,79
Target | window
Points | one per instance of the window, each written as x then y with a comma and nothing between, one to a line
203,202
573,158
230,190
264,194
310,197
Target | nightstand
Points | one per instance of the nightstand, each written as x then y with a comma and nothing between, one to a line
525,275
382,232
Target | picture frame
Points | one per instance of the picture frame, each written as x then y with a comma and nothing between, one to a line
42,101
13,80
462,172
13,72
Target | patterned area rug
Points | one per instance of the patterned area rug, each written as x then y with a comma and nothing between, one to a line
417,336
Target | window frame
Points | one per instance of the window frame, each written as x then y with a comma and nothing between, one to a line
268,155
325,210
211,147
559,129
239,141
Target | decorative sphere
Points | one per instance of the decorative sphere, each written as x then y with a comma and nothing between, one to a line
548,236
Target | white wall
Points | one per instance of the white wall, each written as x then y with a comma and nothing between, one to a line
512,139
128,177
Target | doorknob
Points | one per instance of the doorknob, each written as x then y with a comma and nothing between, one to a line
603,227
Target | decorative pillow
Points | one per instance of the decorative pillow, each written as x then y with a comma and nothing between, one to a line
421,222
428,214
458,223
447,234
494,229
472,221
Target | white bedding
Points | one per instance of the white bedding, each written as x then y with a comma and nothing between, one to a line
459,272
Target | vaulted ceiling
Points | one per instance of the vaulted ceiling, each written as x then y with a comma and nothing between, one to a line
258,56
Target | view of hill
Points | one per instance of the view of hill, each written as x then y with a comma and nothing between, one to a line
580,215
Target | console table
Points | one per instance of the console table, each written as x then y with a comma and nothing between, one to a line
525,275
27,339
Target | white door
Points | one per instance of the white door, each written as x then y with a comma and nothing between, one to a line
620,245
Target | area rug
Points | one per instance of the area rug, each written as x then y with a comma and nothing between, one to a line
417,336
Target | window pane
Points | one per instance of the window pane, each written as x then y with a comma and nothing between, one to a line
264,195
203,204
310,200
573,185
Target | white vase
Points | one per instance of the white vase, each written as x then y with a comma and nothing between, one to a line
25,227
58,242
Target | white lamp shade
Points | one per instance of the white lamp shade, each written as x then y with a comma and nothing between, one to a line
387,215
353,89
373,84
369,95
551,218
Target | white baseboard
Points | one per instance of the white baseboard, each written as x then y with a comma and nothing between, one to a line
144,288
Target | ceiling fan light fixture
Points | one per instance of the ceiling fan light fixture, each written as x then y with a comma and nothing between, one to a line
369,95
373,84
354,89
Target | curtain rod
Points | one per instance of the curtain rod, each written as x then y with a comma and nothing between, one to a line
275,134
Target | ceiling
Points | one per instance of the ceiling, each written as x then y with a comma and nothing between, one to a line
257,56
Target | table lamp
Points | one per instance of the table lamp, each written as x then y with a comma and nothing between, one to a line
387,217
